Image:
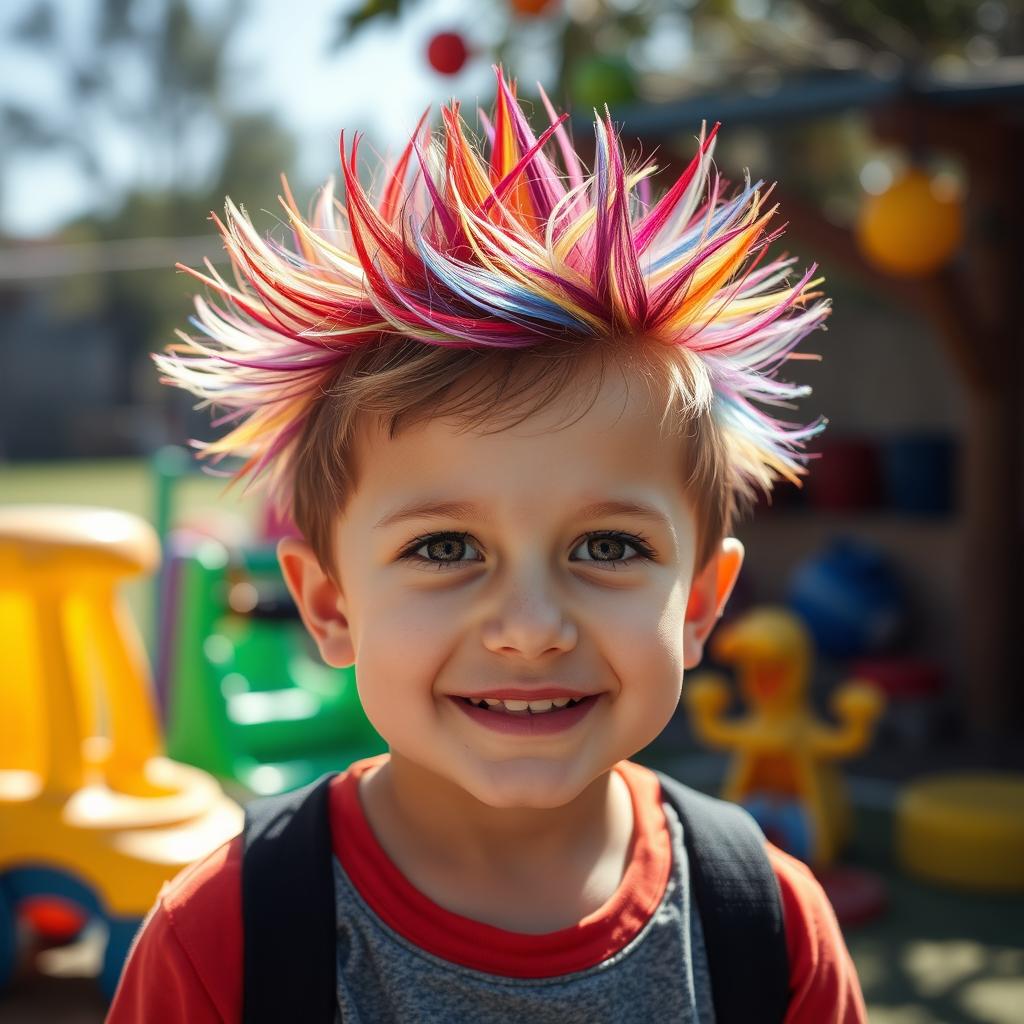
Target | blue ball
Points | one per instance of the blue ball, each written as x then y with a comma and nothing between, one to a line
851,598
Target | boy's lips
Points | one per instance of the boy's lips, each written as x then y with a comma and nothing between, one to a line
524,693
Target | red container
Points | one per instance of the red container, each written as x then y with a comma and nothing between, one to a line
846,476
903,678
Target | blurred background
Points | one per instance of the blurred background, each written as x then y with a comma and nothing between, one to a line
896,133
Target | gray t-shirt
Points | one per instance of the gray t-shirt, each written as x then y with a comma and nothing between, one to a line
661,974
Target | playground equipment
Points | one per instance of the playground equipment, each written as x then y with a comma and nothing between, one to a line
91,815
170,467
782,770
964,830
247,697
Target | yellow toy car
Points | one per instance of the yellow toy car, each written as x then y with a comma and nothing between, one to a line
91,813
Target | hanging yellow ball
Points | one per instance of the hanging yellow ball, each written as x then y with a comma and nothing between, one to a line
912,228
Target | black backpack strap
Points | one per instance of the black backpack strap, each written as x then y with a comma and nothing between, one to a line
288,908
740,906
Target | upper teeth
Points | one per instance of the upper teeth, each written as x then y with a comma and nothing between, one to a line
534,706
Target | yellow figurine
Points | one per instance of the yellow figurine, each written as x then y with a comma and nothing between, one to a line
783,770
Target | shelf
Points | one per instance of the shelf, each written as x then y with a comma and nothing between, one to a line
850,519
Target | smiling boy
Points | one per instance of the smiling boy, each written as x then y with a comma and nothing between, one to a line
513,414
546,562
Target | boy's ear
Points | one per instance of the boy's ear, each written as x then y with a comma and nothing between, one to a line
709,593
319,601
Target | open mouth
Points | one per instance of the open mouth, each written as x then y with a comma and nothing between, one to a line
534,718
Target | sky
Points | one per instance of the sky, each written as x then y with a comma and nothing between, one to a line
280,62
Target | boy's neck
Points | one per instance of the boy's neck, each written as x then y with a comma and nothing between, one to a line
450,846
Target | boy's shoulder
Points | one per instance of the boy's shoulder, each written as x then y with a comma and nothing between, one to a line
212,884
823,983
203,904
186,961
823,979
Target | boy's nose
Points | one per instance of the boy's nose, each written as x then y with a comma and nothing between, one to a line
531,620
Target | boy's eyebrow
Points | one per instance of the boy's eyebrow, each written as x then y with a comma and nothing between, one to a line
466,510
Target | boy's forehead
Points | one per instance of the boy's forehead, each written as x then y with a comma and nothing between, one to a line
615,449
588,420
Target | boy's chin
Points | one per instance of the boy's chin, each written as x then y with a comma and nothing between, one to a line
527,784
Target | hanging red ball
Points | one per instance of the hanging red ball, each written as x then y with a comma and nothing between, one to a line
447,53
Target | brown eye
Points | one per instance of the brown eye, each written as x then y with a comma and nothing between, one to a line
447,549
605,548
441,550
614,549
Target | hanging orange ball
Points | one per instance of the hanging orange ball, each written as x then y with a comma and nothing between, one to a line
912,228
530,8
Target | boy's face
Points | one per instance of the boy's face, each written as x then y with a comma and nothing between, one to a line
521,589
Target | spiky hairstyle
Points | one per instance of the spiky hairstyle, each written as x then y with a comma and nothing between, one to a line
503,251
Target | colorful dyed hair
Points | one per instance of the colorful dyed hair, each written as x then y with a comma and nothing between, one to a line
503,250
